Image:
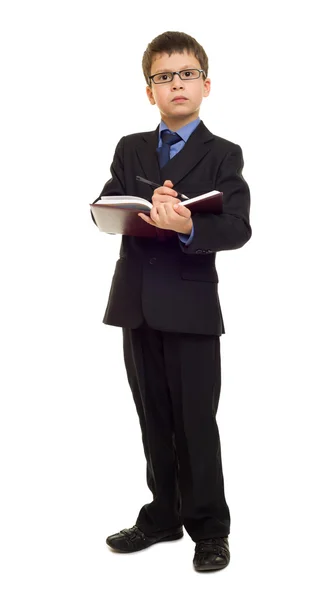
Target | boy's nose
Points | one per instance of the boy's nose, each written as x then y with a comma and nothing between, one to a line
177,82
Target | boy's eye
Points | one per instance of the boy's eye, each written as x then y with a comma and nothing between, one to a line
164,77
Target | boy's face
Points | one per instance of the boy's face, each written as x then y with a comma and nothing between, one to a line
177,112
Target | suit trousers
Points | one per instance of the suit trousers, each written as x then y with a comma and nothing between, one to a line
175,379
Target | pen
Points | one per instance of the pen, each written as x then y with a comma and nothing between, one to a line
158,185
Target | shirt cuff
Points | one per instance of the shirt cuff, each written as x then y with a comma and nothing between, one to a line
186,239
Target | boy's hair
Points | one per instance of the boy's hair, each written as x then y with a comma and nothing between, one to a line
169,43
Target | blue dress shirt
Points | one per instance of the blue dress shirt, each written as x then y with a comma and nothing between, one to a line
185,132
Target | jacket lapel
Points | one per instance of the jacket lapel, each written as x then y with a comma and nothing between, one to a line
146,151
178,167
186,160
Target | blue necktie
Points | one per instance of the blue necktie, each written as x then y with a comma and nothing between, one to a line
168,139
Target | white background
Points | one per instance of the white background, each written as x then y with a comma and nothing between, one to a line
72,462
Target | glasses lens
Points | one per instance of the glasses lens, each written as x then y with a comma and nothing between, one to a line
192,74
162,77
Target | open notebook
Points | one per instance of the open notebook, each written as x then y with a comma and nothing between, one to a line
119,214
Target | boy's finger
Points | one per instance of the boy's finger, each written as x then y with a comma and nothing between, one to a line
146,219
182,210
168,183
167,190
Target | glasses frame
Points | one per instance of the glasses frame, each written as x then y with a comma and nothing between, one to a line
151,77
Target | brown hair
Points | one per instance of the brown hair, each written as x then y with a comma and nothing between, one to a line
169,43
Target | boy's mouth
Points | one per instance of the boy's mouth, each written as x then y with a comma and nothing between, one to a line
179,99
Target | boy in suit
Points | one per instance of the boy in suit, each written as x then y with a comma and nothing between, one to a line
164,296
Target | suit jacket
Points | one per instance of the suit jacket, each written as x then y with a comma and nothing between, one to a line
174,286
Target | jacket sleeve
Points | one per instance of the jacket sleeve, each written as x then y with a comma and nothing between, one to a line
231,229
114,186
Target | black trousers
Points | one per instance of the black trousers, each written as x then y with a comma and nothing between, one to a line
175,380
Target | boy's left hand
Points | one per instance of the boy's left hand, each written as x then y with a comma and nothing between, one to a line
166,215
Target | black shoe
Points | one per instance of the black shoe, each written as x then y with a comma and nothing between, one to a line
133,539
211,554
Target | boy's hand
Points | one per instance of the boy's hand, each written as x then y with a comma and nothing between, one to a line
165,194
169,216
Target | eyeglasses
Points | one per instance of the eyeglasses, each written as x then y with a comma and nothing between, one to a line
185,75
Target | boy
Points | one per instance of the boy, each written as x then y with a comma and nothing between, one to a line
164,295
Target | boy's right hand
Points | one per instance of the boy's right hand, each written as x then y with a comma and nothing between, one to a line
165,194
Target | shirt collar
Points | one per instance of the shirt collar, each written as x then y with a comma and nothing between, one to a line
184,132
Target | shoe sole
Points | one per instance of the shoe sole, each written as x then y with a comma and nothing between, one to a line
210,567
169,538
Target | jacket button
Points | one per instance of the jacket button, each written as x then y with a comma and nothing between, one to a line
152,260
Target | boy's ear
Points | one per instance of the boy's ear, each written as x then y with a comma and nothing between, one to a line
150,95
207,87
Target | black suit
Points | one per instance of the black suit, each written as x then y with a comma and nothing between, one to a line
153,276
164,295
